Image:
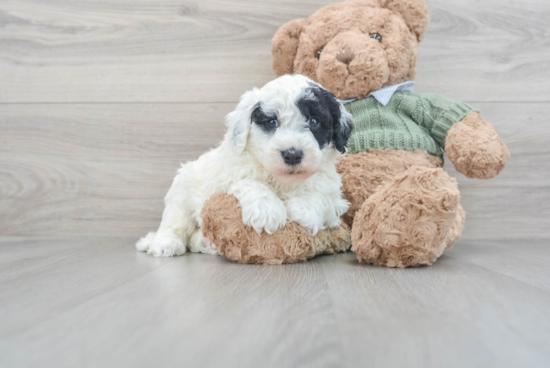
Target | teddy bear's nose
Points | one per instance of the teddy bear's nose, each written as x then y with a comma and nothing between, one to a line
345,56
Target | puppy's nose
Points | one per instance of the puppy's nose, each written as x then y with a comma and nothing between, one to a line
292,156
345,56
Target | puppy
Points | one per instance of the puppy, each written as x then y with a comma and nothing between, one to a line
278,158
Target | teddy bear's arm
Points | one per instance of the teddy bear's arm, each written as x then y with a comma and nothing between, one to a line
471,143
438,114
475,149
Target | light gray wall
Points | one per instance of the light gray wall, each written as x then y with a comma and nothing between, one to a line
101,100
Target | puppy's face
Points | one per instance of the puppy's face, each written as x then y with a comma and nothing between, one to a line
291,125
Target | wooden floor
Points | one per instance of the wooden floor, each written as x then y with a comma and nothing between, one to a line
100,100
94,302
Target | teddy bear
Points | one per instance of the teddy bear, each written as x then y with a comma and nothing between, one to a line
404,208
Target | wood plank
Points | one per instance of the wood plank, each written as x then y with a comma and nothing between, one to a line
195,313
98,303
39,277
453,314
191,51
90,169
515,259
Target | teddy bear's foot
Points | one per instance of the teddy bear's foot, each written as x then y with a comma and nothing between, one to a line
409,221
222,224
363,174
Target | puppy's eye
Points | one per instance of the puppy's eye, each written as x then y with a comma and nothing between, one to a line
319,54
314,123
376,36
272,124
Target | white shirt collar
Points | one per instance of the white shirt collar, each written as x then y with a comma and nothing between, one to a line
384,95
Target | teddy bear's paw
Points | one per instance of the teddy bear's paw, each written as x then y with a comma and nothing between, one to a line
456,229
166,244
475,149
409,221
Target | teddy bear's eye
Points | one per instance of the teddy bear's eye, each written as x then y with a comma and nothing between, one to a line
319,54
376,36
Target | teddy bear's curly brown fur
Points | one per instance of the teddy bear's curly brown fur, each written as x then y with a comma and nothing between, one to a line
405,209
223,225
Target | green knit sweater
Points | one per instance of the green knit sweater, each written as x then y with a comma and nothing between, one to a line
408,122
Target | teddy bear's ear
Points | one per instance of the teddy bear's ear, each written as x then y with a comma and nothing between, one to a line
285,46
415,13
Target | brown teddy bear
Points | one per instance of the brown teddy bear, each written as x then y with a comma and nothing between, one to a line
405,208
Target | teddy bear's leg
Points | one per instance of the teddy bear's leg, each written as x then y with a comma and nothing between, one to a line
333,240
222,224
409,221
363,173
456,229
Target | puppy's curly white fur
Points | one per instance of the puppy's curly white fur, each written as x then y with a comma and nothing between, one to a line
278,158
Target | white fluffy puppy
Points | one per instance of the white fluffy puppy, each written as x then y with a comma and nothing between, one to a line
278,158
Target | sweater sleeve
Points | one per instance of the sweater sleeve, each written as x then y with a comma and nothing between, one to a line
438,114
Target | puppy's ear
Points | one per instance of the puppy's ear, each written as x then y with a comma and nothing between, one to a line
342,129
238,122
415,13
285,46
342,120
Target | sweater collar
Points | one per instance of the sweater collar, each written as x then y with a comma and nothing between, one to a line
384,95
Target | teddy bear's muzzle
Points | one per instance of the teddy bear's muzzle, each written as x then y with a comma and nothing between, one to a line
346,61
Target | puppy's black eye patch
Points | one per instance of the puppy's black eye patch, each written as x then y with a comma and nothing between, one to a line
322,111
268,122
316,107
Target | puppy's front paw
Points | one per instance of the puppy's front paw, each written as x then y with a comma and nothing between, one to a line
267,212
166,244
311,218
